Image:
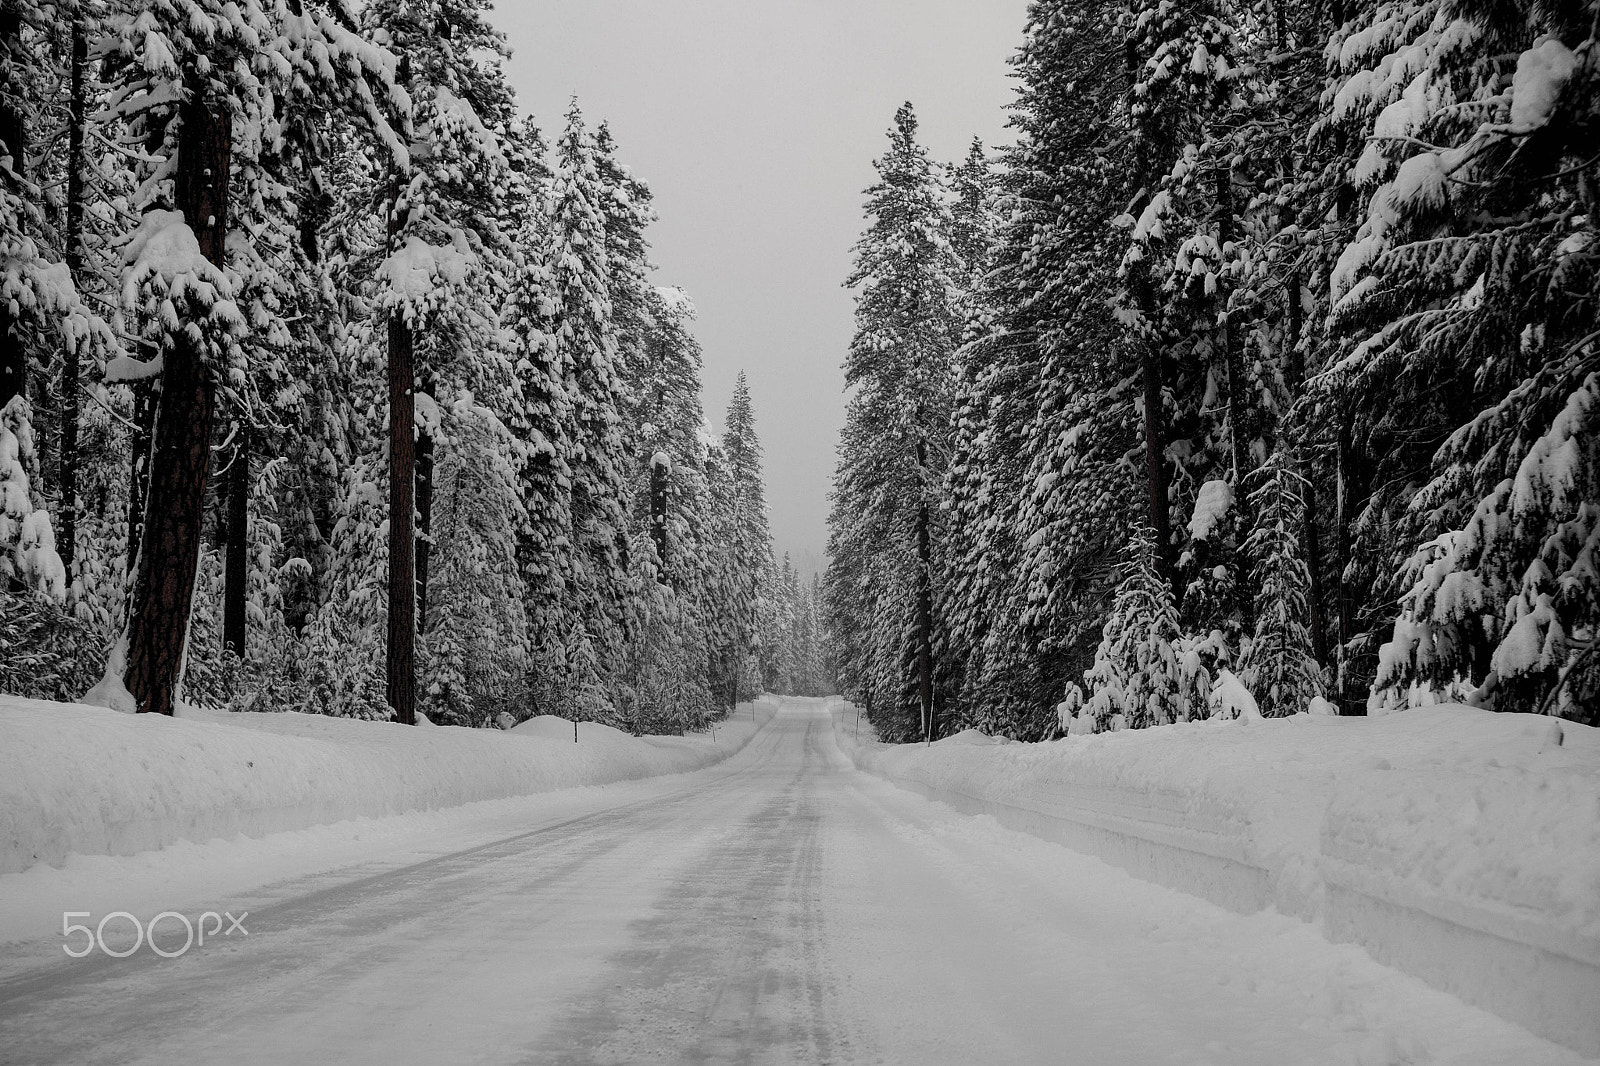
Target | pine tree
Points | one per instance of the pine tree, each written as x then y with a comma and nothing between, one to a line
592,444
1039,481
443,255
39,306
673,524
27,542
1137,677
1471,287
895,450
1278,667
281,196
750,536
176,267
477,636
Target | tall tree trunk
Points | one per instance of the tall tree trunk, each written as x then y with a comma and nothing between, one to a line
424,478
402,682
1241,423
930,727
1342,562
236,571
1151,357
163,590
1241,412
1311,538
1353,490
658,514
401,665
14,134
1311,535
67,532
140,440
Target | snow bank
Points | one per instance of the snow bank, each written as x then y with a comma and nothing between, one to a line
1458,845
92,781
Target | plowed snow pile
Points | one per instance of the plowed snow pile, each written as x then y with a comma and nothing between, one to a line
92,781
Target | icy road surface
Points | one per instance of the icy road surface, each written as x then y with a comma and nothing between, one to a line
778,908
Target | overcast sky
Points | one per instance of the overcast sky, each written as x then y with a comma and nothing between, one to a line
755,123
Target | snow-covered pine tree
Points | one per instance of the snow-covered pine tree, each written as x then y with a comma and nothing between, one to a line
658,365
751,536
1137,679
539,417
900,370
672,527
1472,288
40,309
1053,295
444,262
1192,83
974,214
70,42
28,557
723,586
477,632
779,602
228,67
580,325
625,206
819,667
1037,484
850,588
1278,666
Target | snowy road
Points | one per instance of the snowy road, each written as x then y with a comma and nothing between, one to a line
778,908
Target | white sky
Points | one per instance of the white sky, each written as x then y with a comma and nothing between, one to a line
755,123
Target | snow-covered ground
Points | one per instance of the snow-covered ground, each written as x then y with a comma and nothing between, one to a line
1459,845
778,907
92,801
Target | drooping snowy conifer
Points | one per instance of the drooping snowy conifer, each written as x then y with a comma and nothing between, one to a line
1471,286
1137,679
1278,667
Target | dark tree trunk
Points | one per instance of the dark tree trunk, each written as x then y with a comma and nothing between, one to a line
236,573
1312,540
163,590
1241,423
401,667
402,682
658,514
1151,355
1353,490
312,214
424,461
1311,533
1342,565
1241,412
14,134
930,727
67,534
140,438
